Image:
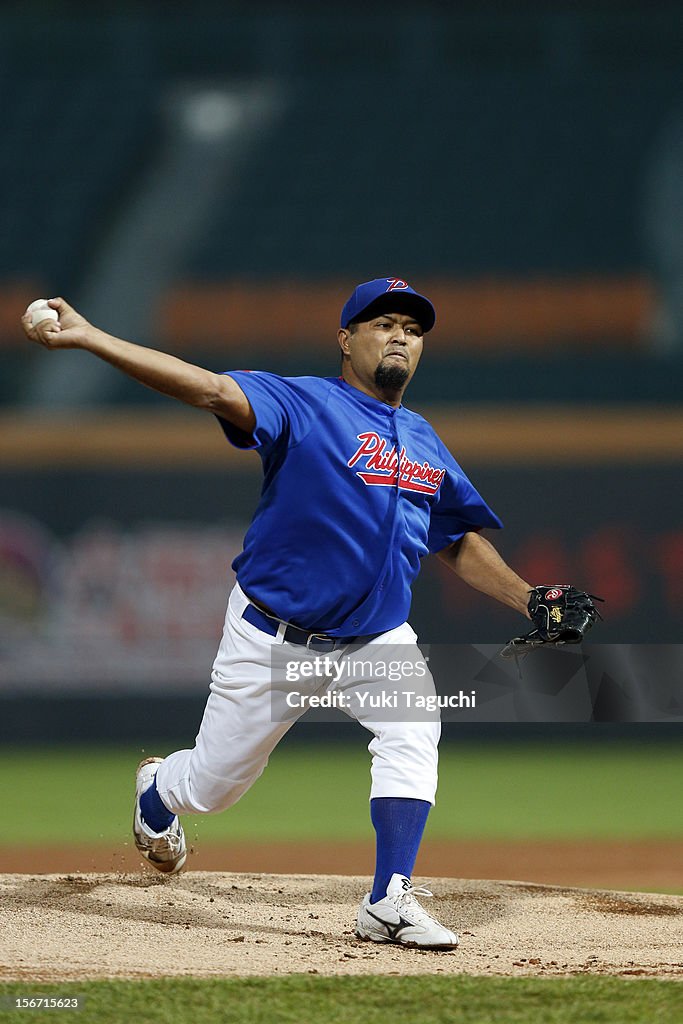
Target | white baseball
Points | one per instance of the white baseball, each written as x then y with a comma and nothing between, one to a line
40,310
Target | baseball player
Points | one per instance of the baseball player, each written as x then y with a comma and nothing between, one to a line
357,490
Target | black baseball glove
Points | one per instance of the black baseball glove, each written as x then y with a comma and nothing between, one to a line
561,615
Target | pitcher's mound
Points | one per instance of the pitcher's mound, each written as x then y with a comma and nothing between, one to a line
68,927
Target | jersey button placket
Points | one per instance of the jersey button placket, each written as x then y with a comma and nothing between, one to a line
395,441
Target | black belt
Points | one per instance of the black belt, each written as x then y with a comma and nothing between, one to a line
293,635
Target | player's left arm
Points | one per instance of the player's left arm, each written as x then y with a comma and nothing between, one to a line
475,560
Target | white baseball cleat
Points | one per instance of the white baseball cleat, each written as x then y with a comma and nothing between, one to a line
166,851
399,918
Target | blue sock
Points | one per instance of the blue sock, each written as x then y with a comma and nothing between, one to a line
154,812
399,823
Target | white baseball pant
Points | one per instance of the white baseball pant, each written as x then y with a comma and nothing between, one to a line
238,730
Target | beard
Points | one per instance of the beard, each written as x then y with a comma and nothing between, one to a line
389,377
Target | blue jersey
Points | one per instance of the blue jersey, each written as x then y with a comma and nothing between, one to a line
355,493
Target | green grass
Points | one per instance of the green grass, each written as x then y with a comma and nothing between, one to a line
487,791
301,999
491,791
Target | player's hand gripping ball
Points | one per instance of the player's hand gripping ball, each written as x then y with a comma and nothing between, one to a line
53,323
40,310
561,614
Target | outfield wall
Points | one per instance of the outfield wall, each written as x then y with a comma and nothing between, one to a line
114,582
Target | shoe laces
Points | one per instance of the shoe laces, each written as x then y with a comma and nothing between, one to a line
175,838
171,839
407,898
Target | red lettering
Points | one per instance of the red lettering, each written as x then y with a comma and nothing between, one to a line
542,558
608,571
369,445
391,468
670,560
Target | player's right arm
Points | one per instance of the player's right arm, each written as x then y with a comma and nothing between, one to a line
215,392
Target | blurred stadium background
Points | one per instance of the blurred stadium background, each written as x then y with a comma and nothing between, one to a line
214,179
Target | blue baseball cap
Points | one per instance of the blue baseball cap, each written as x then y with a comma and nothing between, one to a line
389,295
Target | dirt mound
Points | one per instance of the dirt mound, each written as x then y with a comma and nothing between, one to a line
596,864
78,926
